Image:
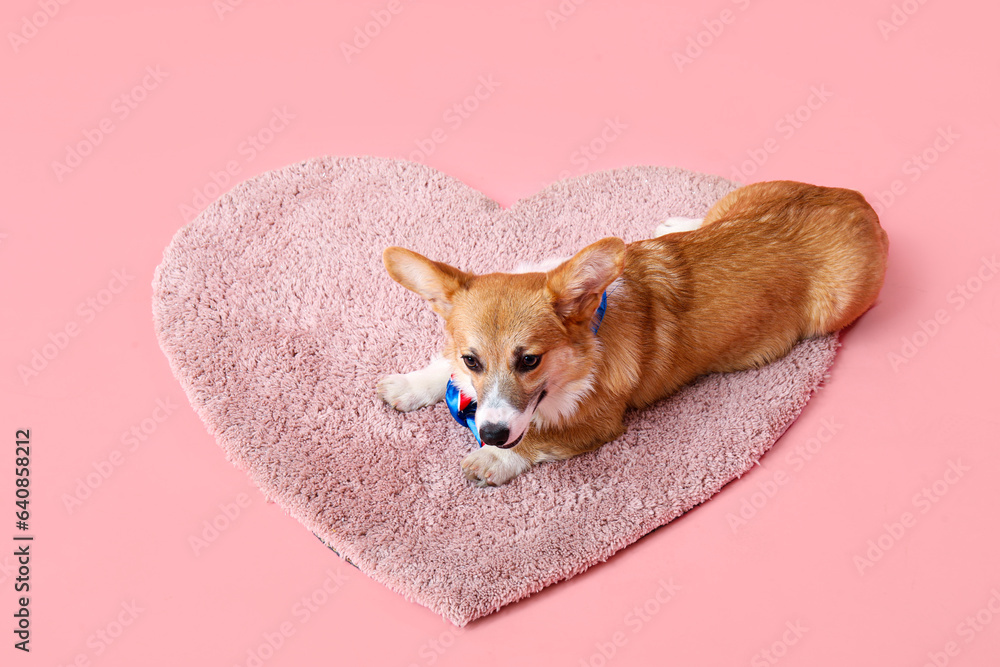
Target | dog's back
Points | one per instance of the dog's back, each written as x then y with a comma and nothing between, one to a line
772,264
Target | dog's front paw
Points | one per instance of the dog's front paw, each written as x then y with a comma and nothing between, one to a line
416,389
492,466
404,393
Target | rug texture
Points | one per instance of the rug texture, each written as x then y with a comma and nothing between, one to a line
278,319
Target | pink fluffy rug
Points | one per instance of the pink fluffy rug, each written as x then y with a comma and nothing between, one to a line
278,318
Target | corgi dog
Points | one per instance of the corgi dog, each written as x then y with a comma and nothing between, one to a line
554,356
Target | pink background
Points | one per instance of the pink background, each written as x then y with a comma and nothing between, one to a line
832,93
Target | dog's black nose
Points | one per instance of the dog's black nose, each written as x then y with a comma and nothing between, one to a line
494,434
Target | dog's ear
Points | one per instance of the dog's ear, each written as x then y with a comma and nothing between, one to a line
577,284
434,281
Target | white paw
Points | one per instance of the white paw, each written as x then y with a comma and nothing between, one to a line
674,225
411,391
400,393
492,466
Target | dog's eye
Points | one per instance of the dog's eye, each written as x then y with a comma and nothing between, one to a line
530,361
471,362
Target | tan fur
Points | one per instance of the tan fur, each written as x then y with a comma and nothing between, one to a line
773,263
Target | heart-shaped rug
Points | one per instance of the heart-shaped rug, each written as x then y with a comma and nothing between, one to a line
278,319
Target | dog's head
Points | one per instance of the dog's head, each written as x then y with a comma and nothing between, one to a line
516,339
